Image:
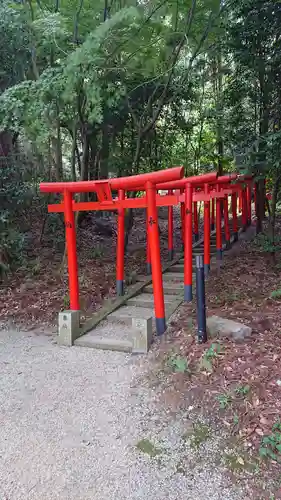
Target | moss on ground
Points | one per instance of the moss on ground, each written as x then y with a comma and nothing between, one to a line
148,448
199,434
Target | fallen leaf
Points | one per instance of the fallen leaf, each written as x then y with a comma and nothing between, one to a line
256,402
264,421
259,431
240,460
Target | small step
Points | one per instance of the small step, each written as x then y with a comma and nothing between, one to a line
146,300
125,314
96,342
169,288
176,268
108,336
172,276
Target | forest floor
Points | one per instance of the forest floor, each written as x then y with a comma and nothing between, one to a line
38,290
232,389
209,430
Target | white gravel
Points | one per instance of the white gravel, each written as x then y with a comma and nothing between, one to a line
70,422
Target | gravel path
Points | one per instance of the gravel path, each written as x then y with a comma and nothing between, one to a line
70,422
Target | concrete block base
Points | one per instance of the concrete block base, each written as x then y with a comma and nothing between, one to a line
142,335
69,325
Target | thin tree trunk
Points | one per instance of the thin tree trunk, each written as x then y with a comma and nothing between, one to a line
73,155
104,153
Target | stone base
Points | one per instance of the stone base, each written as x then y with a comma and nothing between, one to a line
69,327
222,327
142,335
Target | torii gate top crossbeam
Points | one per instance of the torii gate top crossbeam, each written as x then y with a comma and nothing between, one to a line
126,183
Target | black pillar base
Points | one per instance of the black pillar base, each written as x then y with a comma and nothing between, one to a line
235,236
188,293
227,245
171,254
148,268
160,325
207,268
219,254
196,237
120,288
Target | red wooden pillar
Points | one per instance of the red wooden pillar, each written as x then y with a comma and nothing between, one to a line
170,230
188,244
195,221
154,243
218,227
240,207
234,215
182,220
148,258
70,234
255,198
213,215
244,208
249,203
226,223
207,226
120,246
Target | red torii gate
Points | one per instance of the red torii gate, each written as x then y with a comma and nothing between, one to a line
103,189
171,179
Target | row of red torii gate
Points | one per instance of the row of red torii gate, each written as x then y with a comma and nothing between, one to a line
112,194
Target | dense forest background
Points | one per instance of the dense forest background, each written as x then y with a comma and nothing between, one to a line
119,87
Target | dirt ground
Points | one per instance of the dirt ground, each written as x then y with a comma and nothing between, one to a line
39,288
234,387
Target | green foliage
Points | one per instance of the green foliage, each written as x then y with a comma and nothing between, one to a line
66,302
271,445
97,252
178,364
15,195
214,351
276,294
224,400
242,390
12,244
267,244
200,434
206,362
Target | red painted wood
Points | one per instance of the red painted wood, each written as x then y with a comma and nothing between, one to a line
70,233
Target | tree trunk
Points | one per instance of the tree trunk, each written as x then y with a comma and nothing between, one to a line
6,140
104,153
57,148
272,215
73,155
85,165
220,113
